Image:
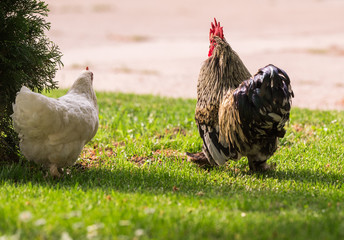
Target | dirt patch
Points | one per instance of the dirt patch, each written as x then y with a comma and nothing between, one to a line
172,133
198,158
94,157
157,156
306,129
118,144
298,127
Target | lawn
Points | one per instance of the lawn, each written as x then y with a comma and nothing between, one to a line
133,181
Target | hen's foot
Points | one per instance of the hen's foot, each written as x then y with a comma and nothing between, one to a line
55,171
256,166
199,158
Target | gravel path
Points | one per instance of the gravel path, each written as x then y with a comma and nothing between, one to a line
158,46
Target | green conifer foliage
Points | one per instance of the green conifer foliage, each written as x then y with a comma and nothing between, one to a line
27,57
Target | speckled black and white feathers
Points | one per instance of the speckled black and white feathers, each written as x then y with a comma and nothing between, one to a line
264,102
253,116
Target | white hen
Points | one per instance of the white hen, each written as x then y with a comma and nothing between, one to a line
52,131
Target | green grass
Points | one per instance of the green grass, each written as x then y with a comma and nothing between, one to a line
109,196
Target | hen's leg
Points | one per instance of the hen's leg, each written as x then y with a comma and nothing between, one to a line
54,171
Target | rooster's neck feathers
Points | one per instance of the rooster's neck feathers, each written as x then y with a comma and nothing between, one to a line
221,72
228,63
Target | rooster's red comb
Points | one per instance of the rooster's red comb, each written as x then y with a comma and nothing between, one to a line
87,68
216,30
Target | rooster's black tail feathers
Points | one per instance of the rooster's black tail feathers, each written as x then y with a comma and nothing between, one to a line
264,101
275,86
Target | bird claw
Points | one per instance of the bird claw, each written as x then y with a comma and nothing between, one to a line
256,166
199,158
55,171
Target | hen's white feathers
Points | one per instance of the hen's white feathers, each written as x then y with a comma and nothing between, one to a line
54,131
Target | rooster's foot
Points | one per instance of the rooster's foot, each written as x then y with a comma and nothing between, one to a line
258,166
199,158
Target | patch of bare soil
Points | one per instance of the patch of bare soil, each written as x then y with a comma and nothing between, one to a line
173,132
94,157
198,158
157,156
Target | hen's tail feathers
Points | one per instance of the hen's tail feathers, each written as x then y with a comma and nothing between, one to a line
32,113
269,96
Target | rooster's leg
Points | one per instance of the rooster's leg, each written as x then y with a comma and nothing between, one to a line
258,165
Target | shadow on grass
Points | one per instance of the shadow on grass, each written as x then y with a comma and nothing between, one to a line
305,175
230,194
27,171
162,179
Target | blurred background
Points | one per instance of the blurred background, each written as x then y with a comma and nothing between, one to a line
158,47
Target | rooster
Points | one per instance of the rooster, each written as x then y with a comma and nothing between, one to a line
53,132
238,115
